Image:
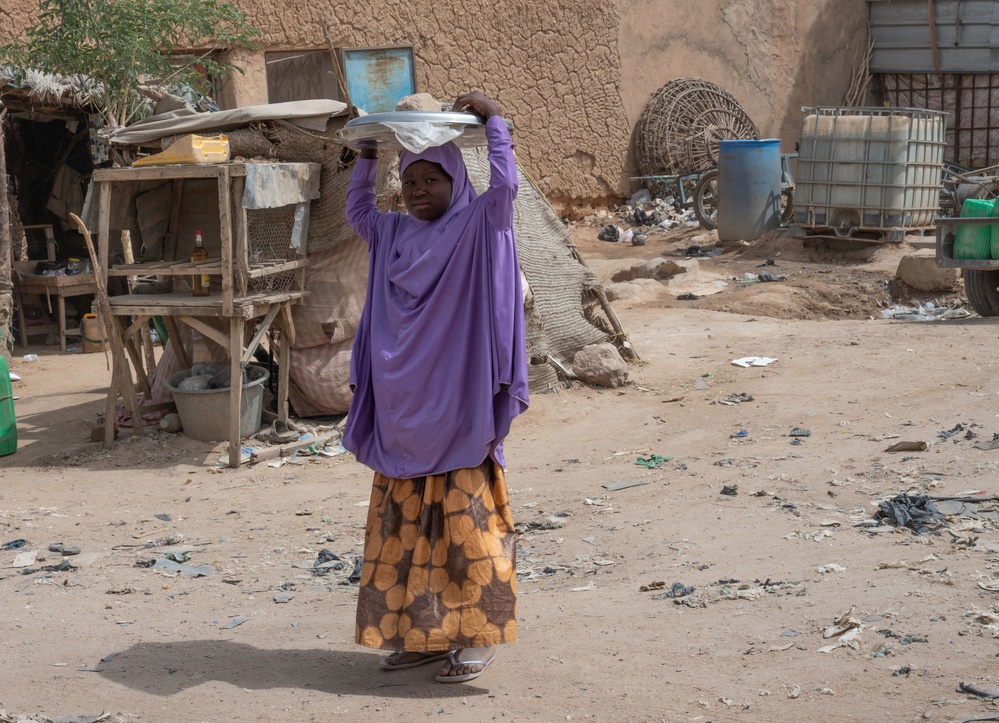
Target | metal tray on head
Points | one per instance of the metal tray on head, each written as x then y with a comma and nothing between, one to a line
370,130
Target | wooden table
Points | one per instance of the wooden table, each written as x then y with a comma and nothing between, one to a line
61,287
236,260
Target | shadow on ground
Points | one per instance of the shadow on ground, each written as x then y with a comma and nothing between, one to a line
171,668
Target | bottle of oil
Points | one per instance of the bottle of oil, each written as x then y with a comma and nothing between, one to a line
200,283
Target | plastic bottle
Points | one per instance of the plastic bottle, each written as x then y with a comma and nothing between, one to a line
200,283
8,424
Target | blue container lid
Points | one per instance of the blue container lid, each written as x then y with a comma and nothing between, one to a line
740,142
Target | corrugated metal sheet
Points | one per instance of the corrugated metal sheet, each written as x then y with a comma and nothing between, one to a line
967,36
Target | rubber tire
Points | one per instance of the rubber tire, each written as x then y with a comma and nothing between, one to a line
981,286
707,184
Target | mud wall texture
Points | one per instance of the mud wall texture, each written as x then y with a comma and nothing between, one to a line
574,76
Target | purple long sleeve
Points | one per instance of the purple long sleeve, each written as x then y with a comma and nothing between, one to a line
439,366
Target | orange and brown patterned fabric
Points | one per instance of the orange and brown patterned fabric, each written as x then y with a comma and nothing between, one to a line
439,563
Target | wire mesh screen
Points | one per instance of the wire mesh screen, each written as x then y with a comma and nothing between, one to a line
682,123
971,101
268,231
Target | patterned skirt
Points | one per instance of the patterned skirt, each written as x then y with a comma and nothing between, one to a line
439,563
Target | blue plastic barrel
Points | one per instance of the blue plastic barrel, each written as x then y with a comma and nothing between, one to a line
748,188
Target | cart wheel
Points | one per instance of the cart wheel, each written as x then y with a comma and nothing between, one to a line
787,211
982,289
706,200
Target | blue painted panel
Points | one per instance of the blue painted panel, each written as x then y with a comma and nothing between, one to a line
378,78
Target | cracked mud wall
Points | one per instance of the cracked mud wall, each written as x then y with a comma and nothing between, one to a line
553,67
774,56
574,77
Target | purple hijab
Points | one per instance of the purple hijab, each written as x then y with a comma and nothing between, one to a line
439,363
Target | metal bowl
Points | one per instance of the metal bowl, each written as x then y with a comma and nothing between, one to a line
369,131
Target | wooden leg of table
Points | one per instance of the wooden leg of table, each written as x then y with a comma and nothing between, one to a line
21,323
236,328
284,367
176,343
61,310
136,358
120,346
112,404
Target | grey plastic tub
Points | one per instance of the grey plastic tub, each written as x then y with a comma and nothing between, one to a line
205,413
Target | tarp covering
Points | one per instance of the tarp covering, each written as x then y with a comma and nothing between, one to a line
311,114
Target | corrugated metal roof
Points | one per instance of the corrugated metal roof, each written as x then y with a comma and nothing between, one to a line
967,36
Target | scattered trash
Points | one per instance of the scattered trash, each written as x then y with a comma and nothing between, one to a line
908,447
688,297
657,585
731,490
64,549
927,311
736,398
542,524
653,461
177,555
63,566
677,590
698,251
622,485
917,512
767,277
988,445
741,434
14,544
355,576
609,232
163,516
799,432
30,357
753,361
831,567
768,262
164,565
639,239
25,559
974,690
958,428
234,623
326,562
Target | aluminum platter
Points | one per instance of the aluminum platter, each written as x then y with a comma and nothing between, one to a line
369,131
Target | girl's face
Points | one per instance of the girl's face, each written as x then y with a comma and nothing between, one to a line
426,190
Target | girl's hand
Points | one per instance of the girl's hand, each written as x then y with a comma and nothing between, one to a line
478,103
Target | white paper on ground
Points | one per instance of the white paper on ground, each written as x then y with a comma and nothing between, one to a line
753,361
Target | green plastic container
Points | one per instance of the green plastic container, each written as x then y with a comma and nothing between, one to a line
974,242
8,424
994,243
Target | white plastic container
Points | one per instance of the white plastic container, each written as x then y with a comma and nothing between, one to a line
869,168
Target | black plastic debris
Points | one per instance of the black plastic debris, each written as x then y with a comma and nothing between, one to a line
768,262
610,232
14,544
163,516
678,589
643,217
355,576
688,297
917,512
326,562
970,689
695,251
63,566
766,276
145,562
951,432
730,490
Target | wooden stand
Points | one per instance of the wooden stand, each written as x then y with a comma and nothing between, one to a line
59,286
238,265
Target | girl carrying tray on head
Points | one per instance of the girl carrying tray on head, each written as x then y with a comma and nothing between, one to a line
439,371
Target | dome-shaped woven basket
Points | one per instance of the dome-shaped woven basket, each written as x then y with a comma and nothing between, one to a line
682,123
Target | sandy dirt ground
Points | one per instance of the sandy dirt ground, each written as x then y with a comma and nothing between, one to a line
773,567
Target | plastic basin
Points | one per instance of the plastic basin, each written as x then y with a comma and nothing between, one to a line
205,413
